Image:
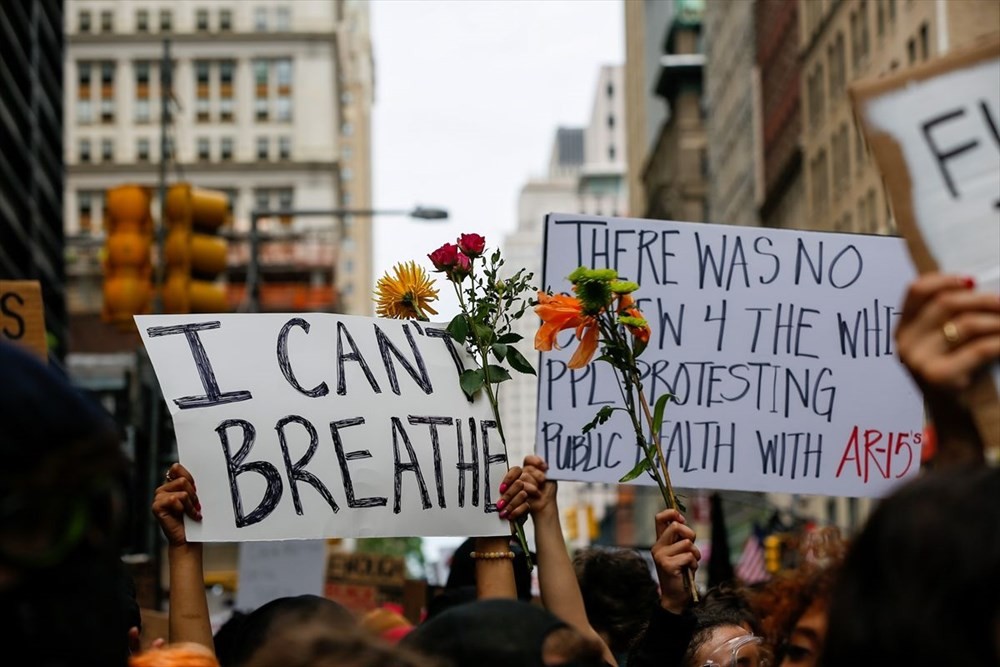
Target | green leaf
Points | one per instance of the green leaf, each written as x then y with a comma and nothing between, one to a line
483,333
680,505
498,374
471,381
661,405
518,362
640,467
602,416
458,328
499,351
508,338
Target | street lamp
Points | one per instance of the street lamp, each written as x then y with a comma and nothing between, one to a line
253,267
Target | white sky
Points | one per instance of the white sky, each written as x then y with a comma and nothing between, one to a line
468,95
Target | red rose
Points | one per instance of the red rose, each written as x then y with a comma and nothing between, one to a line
462,268
444,258
471,245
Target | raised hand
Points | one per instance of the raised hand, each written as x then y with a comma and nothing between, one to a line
673,552
174,498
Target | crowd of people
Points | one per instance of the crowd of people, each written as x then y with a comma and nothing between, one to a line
917,586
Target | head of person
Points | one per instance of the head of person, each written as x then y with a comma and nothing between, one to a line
919,584
244,635
726,632
387,624
316,643
792,606
501,633
619,594
62,488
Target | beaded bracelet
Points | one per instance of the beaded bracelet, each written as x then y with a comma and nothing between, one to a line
492,555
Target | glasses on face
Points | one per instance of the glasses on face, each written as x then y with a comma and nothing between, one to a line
743,651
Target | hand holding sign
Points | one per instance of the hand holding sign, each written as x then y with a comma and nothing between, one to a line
175,499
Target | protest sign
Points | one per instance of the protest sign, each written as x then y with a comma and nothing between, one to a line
776,344
934,132
272,570
22,315
316,425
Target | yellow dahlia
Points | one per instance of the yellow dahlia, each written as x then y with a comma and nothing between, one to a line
405,293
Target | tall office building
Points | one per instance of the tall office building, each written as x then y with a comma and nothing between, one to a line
31,166
271,103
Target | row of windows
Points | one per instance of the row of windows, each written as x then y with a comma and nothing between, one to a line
203,145
215,97
264,19
817,83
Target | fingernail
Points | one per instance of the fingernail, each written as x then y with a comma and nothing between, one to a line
197,505
501,503
968,283
503,515
503,487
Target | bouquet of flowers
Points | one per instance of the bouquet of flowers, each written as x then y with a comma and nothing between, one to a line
604,313
489,304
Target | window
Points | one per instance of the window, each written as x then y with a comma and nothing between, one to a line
142,150
83,19
85,210
263,148
283,19
225,20
611,153
107,150
880,18
285,199
226,149
201,20
84,111
107,92
83,151
924,42
107,21
347,129
892,11
611,89
201,105
142,20
142,102
226,69
284,148
611,122
346,151
166,20
820,183
284,108
863,36
260,19
346,174
262,200
204,149
346,199
260,76
283,76
911,51
283,72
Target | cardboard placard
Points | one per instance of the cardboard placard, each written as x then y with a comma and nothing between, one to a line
22,315
777,345
314,425
366,568
934,131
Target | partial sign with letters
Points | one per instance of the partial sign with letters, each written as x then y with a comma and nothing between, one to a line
316,425
22,315
934,131
777,346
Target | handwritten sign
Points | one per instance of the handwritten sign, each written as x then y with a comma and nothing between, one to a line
22,315
365,568
776,344
935,135
272,570
317,425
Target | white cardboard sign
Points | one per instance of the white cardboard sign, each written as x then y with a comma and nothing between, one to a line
316,425
777,345
272,570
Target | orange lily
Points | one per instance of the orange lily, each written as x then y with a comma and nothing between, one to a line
559,312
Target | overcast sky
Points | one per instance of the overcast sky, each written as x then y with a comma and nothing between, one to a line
468,95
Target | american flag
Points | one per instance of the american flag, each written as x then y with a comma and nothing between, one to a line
751,569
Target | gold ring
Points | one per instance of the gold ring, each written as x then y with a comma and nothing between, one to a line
950,331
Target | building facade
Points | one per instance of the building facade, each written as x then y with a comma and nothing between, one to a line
270,103
729,101
31,165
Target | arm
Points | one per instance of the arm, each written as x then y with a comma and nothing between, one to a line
494,577
189,620
532,493
671,625
938,307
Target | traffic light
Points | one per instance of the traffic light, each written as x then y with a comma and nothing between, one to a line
572,523
773,545
194,254
127,268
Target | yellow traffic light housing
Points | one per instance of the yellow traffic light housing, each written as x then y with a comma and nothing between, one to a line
194,256
127,266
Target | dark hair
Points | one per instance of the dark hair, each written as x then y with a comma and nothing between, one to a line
720,606
919,584
463,568
238,640
618,592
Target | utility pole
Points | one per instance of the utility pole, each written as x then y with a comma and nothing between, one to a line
166,92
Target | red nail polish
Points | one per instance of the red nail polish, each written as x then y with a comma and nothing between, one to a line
968,283
197,506
501,503
503,487
503,515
